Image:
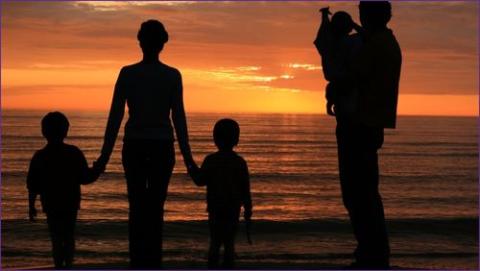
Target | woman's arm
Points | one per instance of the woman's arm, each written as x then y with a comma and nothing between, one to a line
115,117
180,121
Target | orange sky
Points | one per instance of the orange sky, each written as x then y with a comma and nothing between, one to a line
234,57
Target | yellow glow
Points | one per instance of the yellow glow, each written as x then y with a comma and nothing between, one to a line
239,70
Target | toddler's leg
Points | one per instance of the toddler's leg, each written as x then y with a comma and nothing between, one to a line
229,243
55,228
215,243
69,241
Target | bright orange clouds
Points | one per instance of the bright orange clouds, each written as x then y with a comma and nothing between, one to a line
234,57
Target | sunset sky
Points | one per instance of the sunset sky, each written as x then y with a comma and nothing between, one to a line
234,56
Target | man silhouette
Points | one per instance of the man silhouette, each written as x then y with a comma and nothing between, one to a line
375,71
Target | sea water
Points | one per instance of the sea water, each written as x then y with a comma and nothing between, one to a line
429,184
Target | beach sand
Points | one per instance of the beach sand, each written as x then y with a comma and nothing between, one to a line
312,244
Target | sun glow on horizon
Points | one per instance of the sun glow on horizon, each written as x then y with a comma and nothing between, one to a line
234,57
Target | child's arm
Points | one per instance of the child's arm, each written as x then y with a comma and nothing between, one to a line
247,197
322,40
91,175
32,186
88,175
324,45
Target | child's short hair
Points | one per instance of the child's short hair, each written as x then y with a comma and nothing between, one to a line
55,126
226,133
342,23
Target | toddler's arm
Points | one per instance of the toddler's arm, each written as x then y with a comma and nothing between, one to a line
33,187
92,174
322,40
247,197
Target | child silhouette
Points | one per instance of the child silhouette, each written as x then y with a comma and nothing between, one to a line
337,47
225,173
56,173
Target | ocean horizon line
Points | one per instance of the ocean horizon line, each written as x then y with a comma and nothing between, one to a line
197,112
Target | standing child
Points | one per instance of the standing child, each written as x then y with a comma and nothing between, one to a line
225,173
55,173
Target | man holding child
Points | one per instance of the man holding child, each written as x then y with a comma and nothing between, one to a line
362,94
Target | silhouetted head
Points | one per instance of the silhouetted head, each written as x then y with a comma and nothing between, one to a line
342,24
375,14
55,127
226,134
152,36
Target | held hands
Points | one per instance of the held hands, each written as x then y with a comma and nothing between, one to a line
93,174
97,169
101,163
195,173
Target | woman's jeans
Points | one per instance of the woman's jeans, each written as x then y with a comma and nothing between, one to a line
148,166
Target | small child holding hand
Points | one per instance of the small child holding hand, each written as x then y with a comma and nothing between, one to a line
225,173
56,173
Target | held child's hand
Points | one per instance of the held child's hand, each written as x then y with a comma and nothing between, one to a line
93,175
101,163
194,172
99,167
189,162
32,213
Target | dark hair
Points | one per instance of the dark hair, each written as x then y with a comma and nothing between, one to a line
342,23
375,13
152,35
55,126
226,134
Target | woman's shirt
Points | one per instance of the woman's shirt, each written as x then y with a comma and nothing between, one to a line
151,91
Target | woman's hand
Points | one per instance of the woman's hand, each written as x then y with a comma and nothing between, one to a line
101,164
189,162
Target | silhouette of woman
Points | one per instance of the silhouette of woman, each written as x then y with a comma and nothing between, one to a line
152,90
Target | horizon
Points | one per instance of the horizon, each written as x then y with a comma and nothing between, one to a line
106,111
234,56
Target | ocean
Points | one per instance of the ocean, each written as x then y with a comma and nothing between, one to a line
429,184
